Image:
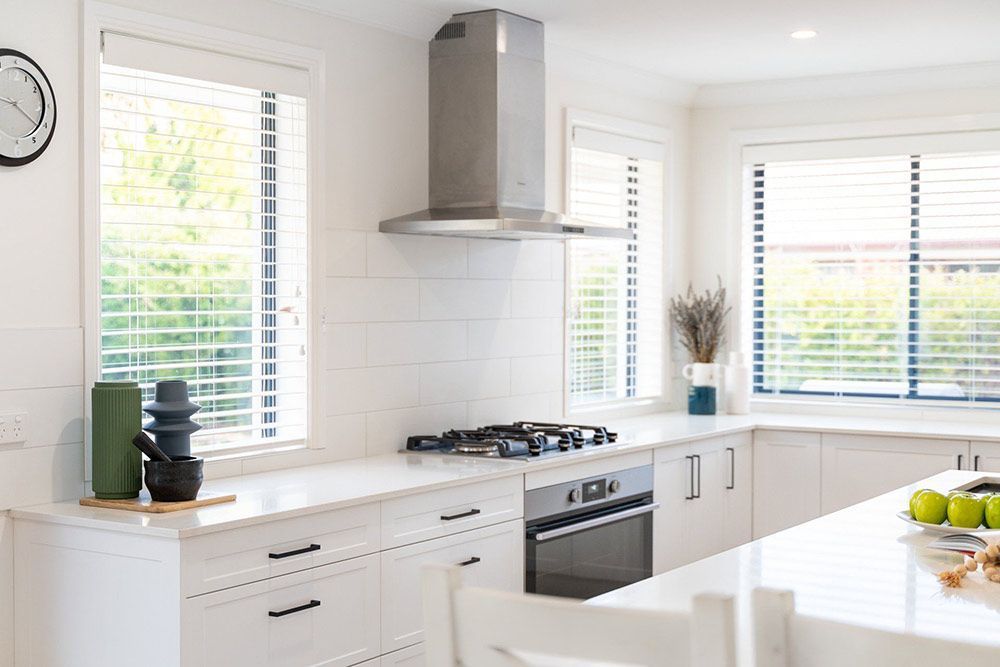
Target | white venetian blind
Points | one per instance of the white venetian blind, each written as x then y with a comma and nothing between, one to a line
203,239
615,325
877,275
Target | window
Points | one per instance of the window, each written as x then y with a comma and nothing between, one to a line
203,233
878,273
615,327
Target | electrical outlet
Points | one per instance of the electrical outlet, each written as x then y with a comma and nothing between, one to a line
13,427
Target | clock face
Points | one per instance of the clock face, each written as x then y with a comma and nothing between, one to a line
21,103
27,109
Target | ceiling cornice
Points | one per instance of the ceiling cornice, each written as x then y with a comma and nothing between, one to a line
396,16
866,84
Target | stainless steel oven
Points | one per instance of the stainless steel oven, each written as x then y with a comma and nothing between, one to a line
590,536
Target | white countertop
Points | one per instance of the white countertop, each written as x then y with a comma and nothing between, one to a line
861,565
275,495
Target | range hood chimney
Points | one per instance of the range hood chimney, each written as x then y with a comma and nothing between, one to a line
487,135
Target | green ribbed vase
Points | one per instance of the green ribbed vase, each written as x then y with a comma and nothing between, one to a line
116,417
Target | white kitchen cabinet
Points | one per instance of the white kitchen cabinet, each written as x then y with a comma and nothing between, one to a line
786,479
984,456
411,656
699,514
859,467
327,615
492,557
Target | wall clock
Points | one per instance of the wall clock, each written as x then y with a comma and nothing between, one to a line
27,109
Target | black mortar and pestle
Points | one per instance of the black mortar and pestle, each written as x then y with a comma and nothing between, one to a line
169,478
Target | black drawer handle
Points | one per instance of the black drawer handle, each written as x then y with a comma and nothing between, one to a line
460,516
295,552
286,612
471,561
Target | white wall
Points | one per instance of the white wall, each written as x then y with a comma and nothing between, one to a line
424,333
714,236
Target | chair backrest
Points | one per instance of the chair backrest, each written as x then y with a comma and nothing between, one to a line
475,627
783,638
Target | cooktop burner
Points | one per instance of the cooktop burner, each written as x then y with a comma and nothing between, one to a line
523,439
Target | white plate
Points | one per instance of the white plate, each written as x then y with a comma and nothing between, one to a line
942,529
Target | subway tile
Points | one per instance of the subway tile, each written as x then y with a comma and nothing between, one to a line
416,342
344,436
523,260
531,375
61,365
387,431
35,475
559,261
363,389
464,380
536,298
526,407
401,256
345,252
345,346
493,339
372,299
464,299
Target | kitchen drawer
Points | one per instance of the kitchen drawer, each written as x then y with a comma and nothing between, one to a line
425,516
500,550
412,656
243,555
237,626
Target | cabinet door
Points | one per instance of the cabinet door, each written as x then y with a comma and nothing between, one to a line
985,456
673,484
786,480
704,529
412,656
738,490
859,467
493,558
328,615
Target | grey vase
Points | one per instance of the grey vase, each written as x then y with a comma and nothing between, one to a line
171,411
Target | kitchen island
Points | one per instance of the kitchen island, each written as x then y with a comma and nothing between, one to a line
860,565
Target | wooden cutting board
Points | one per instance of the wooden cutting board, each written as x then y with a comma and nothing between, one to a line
146,504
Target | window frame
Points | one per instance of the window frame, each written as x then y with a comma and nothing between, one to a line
578,118
745,148
99,17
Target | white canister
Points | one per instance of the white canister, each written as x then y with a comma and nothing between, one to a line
737,385
701,375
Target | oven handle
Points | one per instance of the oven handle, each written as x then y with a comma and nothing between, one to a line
593,523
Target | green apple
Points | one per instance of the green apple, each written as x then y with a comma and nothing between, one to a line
993,512
966,510
930,507
913,500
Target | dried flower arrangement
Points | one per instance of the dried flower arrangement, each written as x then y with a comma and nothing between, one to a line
700,322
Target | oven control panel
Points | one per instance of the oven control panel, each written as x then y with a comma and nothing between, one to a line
582,493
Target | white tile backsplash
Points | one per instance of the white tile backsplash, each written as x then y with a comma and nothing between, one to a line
416,342
430,333
401,256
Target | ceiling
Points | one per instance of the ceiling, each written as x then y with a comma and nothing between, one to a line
707,42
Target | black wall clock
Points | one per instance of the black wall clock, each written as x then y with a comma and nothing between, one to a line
27,109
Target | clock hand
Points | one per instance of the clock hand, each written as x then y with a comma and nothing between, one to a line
26,114
8,100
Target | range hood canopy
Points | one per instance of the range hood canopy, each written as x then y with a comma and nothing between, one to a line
487,135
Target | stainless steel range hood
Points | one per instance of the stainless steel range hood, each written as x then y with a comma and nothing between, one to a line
487,135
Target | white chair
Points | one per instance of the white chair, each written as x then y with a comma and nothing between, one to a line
783,638
472,627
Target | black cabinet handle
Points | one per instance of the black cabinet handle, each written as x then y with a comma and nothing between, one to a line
471,561
959,466
295,552
975,462
690,495
698,457
732,468
286,612
460,516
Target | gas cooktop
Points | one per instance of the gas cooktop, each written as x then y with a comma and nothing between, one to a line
521,440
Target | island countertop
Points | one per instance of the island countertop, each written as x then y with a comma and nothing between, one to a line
860,565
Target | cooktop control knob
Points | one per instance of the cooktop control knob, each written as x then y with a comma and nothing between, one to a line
575,496
614,486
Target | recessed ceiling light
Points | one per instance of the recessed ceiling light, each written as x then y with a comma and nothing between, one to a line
803,34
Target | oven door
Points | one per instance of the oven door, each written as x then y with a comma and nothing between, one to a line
592,553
